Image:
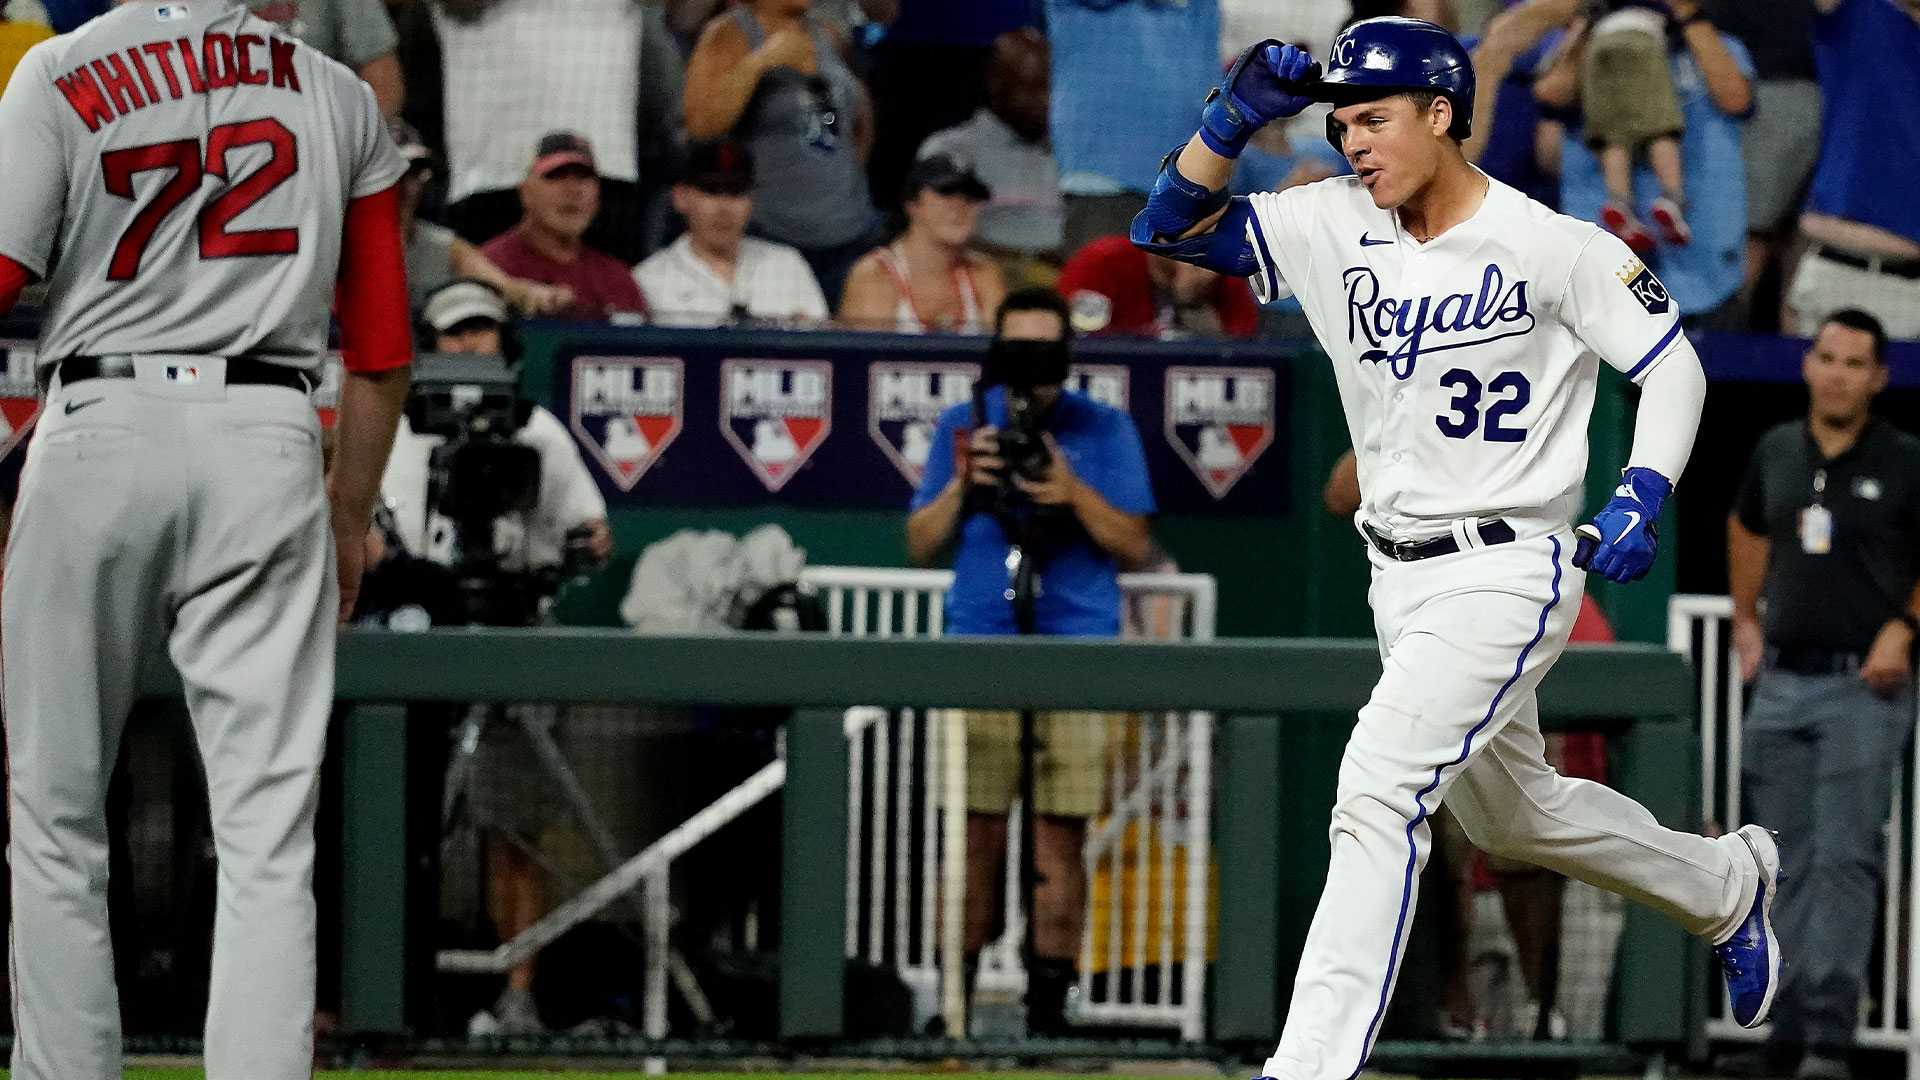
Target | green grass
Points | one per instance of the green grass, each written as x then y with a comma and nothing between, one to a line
196,1074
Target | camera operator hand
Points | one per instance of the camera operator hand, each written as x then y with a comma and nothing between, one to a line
1060,487
984,464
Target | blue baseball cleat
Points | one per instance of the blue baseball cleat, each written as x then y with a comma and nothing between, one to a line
1750,959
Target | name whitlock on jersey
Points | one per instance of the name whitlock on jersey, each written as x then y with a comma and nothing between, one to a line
179,173
1466,365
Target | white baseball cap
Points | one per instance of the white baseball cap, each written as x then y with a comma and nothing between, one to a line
451,305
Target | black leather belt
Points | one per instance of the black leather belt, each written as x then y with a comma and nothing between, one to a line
1905,268
241,371
1802,660
1490,533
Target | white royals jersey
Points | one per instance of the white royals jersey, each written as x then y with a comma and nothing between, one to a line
1466,365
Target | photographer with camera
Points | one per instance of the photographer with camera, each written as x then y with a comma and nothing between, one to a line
1043,496
488,509
568,518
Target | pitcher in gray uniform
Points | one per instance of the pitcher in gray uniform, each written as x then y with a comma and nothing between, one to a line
191,183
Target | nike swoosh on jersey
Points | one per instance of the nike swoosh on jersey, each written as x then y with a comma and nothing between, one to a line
1631,525
1368,241
76,406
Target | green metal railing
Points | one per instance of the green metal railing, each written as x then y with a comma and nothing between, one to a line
1641,694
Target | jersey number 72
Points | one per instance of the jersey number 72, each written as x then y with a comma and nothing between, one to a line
119,167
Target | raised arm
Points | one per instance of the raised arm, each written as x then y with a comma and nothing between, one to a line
1729,87
1189,216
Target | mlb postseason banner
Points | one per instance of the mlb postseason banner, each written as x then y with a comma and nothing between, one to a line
831,419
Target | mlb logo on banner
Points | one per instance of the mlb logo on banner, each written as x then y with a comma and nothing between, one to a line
1219,420
1107,384
776,413
19,394
626,410
904,403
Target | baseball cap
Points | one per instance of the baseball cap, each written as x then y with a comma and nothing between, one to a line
721,167
456,302
948,176
558,149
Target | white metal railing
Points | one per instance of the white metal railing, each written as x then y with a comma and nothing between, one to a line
1172,793
1700,628
906,856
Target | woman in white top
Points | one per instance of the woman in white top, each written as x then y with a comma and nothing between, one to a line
929,280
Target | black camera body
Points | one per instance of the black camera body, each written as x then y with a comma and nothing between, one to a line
480,474
1021,367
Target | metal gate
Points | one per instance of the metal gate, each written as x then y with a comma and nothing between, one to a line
1147,856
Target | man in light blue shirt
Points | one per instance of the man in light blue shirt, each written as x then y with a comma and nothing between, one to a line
1123,79
1713,78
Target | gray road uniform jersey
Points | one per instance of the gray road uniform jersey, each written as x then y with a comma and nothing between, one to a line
179,173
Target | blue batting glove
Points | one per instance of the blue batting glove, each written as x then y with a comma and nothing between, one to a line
1619,543
1269,81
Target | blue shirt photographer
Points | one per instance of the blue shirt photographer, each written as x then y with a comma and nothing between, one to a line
1079,584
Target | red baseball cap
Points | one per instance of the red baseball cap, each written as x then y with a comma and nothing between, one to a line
558,149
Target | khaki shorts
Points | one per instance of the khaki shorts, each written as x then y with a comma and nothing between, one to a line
1627,91
1069,765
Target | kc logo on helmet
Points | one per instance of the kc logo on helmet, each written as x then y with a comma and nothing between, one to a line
19,394
1107,384
1219,420
904,403
776,413
626,411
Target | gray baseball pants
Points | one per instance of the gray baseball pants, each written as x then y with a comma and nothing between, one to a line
168,510
1817,765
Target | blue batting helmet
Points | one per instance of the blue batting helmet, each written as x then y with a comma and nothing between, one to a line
1375,58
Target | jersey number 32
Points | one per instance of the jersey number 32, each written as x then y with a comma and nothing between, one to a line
182,158
1511,395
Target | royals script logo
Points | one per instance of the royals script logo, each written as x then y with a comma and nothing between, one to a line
776,413
19,395
1397,331
626,410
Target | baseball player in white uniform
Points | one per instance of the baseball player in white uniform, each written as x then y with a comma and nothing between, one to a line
1466,325
191,183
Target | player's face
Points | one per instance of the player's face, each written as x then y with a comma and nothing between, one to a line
562,202
1393,145
715,222
950,219
1842,374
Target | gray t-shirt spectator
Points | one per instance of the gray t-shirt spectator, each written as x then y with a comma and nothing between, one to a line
429,261
1837,601
814,192
351,31
1026,214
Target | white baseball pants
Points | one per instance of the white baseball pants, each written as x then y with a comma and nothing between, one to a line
1466,639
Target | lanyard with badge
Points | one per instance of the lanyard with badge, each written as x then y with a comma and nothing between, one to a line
1816,521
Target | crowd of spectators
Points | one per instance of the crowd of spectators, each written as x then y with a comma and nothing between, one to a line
1741,146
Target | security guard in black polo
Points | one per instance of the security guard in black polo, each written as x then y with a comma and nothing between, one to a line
1823,551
